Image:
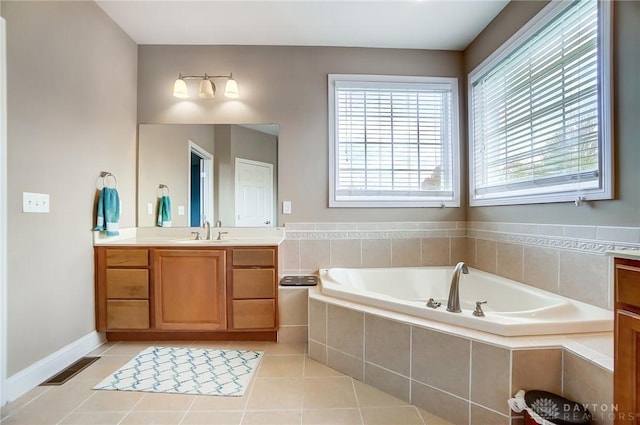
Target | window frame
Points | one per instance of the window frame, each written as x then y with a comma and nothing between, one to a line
605,105
338,202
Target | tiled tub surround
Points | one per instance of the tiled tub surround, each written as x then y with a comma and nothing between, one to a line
568,260
465,376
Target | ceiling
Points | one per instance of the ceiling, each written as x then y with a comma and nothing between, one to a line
413,24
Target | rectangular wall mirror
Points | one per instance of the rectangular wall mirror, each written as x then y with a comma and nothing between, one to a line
225,172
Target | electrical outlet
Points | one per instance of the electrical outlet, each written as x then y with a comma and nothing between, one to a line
35,202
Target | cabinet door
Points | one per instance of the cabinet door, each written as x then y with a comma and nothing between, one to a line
626,373
189,289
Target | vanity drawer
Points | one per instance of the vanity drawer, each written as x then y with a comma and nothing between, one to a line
254,283
627,284
254,257
127,257
254,314
127,283
127,314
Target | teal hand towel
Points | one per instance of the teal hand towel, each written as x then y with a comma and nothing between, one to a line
108,211
164,211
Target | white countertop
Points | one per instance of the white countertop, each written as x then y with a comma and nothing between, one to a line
183,237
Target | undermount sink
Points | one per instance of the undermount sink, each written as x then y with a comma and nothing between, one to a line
203,241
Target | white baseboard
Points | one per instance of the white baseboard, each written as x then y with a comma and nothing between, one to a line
23,381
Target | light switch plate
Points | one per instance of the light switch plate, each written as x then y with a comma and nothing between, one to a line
286,207
180,209
149,208
35,202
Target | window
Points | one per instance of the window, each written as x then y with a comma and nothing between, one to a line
539,122
393,141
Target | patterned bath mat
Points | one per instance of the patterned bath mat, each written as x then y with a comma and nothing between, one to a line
186,371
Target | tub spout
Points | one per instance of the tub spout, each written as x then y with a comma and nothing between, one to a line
453,303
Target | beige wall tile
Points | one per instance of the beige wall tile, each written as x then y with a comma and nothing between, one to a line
537,370
435,252
293,306
490,372
288,333
389,382
459,251
471,252
509,258
289,255
346,253
315,254
586,383
376,253
345,330
451,408
387,344
441,360
480,415
318,352
318,321
486,255
345,363
541,267
405,252
585,277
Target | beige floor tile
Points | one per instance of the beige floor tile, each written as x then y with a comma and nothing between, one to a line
93,418
331,417
36,417
22,401
130,348
313,368
286,348
281,366
372,397
111,401
103,367
329,392
276,394
102,349
407,415
162,401
207,402
218,417
219,345
273,417
248,345
431,419
153,418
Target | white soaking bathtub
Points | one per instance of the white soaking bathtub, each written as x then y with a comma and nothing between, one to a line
512,308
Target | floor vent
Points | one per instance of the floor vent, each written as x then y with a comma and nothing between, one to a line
70,371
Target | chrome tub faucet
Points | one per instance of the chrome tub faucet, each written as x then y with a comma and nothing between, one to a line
453,303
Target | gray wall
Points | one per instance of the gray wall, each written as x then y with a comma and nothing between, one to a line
624,210
71,114
163,158
286,86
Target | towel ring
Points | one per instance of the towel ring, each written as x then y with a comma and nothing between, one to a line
162,187
104,175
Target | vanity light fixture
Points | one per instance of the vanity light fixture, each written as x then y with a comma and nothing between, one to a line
207,87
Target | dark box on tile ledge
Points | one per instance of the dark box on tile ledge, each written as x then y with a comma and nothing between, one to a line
299,281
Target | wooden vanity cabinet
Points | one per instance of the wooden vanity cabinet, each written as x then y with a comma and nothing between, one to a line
122,288
254,288
626,374
189,289
190,293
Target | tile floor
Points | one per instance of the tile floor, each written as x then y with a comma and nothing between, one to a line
288,388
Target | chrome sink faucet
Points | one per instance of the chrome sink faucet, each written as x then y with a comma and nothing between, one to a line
453,303
218,223
207,226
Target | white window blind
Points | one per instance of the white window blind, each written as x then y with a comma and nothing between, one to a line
537,128
393,143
